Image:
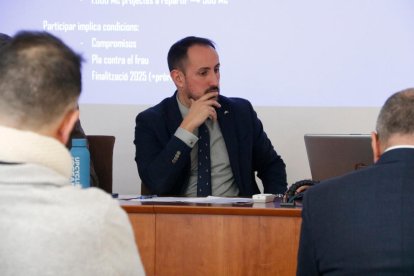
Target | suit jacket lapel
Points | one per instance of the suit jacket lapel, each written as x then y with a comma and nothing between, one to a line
226,121
173,115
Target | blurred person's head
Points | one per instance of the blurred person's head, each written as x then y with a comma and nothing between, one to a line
4,39
40,83
395,123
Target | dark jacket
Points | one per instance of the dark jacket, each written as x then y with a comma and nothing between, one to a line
361,223
247,144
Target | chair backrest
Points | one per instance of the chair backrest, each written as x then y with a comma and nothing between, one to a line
101,148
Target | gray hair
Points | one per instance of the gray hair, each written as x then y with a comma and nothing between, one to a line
397,115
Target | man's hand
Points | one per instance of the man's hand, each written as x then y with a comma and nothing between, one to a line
201,110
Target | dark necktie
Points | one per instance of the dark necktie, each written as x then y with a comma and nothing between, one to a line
204,165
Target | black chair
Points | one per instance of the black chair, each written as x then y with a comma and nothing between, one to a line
101,148
145,190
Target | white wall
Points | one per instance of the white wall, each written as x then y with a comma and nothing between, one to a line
285,127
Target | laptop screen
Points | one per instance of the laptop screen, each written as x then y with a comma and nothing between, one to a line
333,155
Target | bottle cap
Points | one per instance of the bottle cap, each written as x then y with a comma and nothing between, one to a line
79,142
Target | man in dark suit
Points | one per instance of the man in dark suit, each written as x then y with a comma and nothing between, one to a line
168,139
362,223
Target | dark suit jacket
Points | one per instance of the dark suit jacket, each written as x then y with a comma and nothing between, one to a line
164,161
361,223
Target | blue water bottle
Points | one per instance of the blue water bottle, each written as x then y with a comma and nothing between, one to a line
80,163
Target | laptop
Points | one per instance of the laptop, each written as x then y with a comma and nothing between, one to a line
332,155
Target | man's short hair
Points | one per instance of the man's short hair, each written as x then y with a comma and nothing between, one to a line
397,115
40,77
177,54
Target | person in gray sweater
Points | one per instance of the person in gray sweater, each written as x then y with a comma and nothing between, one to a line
47,226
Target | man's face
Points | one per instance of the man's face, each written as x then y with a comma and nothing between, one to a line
202,72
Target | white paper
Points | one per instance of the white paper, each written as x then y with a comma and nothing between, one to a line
209,199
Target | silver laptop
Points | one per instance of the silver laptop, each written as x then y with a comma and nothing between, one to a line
333,155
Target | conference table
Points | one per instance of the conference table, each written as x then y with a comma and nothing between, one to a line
216,239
